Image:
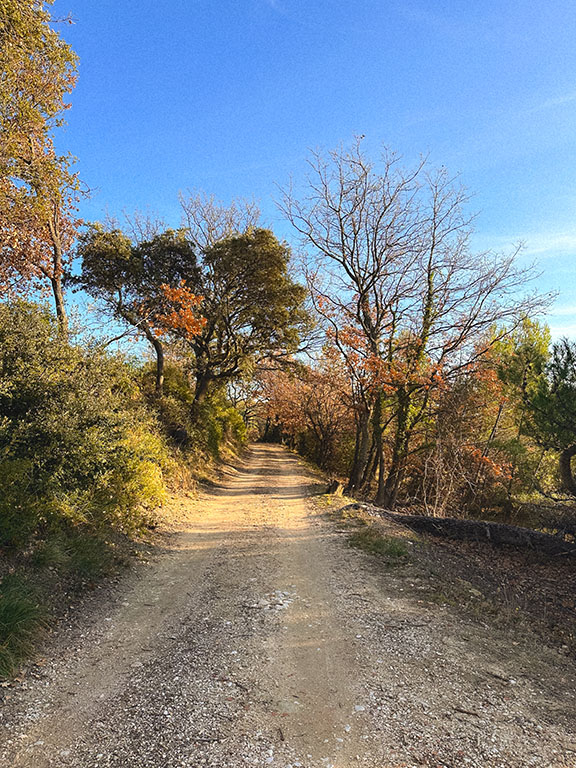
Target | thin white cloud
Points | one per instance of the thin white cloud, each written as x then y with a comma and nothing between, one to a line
550,244
558,331
552,103
534,245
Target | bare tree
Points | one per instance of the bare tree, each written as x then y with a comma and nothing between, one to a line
392,275
208,220
142,226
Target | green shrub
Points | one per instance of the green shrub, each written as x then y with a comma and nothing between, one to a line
199,430
77,446
218,422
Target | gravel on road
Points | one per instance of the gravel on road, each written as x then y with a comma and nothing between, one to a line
260,638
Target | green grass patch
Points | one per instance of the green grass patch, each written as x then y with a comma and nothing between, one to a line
90,557
22,619
371,540
85,555
27,596
52,553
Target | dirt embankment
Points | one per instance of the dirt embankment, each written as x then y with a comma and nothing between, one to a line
260,638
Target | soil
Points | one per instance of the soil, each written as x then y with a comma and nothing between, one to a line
537,590
259,637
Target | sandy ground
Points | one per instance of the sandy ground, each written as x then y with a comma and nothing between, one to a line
260,638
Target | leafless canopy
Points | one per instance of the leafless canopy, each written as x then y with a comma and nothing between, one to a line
408,304
388,250
208,220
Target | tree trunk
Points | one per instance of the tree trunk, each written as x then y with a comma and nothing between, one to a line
378,439
389,494
202,381
566,475
143,326
159,349
371,467
381,492
61,315
388,489
361,451
56,275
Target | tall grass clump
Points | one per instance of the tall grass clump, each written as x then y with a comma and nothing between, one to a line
22,618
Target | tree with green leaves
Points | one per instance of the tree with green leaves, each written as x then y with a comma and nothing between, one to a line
132,279
552,404
253,308
519,359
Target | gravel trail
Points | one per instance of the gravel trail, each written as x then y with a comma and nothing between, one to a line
262,639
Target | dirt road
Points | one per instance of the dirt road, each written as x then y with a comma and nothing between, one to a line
262,639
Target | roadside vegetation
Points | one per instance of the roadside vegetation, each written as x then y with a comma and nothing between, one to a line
518,589
105,410
436,388
399,361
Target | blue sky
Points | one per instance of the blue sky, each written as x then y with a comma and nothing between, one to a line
227,96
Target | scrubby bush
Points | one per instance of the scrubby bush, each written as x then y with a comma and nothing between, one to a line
198,429
76,444
219,422
85,449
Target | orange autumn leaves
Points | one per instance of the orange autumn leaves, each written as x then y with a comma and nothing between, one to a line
179,312
407,368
